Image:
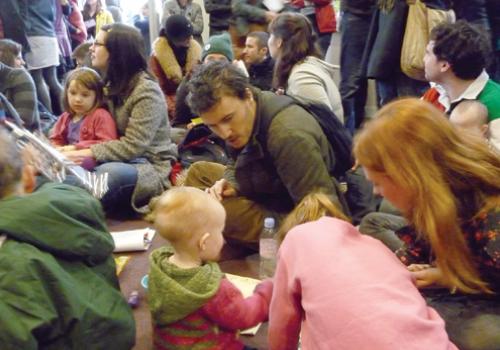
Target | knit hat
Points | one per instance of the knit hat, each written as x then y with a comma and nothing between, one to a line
178,28
220,44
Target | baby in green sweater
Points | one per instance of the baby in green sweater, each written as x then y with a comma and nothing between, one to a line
190,300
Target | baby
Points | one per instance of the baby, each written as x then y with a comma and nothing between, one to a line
472,116
191,301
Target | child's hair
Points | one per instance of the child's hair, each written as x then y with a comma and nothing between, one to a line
471,115
88,78
312,207
186,212
82,52
9,51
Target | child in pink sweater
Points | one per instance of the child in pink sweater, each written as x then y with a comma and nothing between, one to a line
340,289
193,305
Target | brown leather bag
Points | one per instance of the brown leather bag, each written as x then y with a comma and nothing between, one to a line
421,20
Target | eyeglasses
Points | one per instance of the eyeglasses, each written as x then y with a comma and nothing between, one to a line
96,43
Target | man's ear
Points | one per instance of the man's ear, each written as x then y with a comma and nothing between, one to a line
264,51
202,242
485,131
248,94
28,179
445,66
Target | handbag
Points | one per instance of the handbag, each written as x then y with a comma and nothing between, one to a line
419,24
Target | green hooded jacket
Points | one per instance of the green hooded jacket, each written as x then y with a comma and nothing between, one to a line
58,285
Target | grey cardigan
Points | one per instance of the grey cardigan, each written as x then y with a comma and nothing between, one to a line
144,130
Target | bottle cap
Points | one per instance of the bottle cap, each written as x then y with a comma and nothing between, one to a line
269,222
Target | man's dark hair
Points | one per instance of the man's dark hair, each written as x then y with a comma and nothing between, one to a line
262,38
463,46
213,80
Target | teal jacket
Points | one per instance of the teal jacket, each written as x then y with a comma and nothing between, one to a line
58,285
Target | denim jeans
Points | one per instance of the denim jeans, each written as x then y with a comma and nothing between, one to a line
353,86
399,86
122,179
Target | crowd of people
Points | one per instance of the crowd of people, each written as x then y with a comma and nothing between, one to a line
389,228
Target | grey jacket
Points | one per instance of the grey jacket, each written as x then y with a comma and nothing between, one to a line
144,131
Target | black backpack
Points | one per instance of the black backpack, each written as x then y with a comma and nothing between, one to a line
337,134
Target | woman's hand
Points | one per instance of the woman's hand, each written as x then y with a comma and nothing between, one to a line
66,148
221,189
426,275
78,156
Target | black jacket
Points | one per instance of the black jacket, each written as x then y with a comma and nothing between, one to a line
261,74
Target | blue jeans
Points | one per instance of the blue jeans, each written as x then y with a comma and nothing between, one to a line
399,86
122,179
353,86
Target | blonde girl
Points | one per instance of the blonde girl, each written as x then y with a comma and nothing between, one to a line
340,289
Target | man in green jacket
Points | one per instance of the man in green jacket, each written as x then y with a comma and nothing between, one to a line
279,150
58,283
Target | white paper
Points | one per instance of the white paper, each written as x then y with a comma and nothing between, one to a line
246,286
274,5
133,240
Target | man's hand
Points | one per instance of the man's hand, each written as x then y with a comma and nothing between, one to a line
221,189
426,275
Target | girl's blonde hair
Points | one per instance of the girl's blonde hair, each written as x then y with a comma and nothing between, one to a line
90,79
312,207
451,179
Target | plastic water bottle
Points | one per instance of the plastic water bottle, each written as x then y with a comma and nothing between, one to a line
268,248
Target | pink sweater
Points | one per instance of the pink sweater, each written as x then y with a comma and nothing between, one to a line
347,291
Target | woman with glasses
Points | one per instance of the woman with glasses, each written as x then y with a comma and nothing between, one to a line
139,162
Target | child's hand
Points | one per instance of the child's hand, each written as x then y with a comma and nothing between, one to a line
66,148
430,276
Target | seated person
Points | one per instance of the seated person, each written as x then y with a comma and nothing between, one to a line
447,186
190,299
257,60
175,54
81,55
59,288
188,8
85,122
366,299
455,62
19,88
279,151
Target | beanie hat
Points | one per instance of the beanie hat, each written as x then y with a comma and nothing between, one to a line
178,28
220,44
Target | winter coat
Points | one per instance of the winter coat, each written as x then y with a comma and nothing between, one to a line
167,70
144,132
59,288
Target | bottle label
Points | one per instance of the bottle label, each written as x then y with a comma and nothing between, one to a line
268,247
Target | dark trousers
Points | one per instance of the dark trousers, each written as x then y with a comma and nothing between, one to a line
353,86
399,86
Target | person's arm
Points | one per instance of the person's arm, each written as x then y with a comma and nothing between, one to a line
104,129
252,13
230,310
285,312
414,250
217,5
197,19
23,97
147,110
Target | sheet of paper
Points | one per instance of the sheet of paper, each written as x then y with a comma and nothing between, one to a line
133,240
274,5
246,285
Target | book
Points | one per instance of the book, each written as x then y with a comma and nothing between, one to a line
133,240
246,285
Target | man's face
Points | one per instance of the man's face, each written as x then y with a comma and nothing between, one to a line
232,119
215,57
434,68
252,54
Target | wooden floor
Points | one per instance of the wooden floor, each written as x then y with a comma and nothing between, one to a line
235,261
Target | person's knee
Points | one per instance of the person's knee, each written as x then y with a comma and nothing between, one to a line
204,174
481,333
